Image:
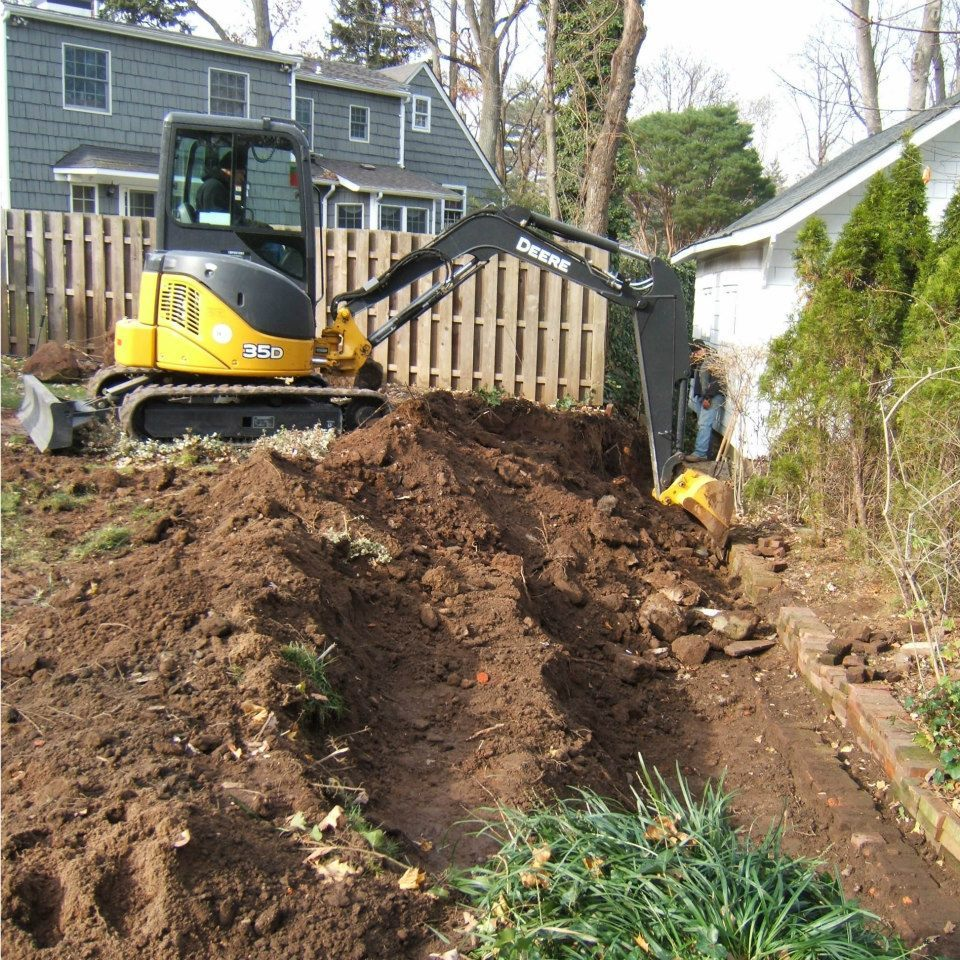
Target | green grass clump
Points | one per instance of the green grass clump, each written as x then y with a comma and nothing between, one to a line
671,879
61,501
492,396
321,700
105,540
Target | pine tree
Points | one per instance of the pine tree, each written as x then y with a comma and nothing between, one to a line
365,32
153,13
908,195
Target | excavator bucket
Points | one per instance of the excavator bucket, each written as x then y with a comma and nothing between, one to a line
707,499
48,420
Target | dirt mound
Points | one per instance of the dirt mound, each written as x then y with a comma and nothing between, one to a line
499,590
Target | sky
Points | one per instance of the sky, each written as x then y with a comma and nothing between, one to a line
751,40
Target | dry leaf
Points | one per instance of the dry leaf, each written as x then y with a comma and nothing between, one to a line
907,901
453,954
413,879
332,820
532,880
641,943
181,839
541,856
318,853
593,864
425,845
334,871
255,711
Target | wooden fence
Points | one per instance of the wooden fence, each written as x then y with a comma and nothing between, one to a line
512,326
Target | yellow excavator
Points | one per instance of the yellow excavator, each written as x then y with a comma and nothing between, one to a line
225,338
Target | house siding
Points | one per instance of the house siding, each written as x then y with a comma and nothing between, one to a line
445,148
148,79
331,123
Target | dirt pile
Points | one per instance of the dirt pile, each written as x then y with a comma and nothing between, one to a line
502,595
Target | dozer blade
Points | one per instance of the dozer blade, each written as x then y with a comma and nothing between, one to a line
707,499
48,420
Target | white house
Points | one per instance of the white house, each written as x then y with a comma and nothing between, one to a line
746,288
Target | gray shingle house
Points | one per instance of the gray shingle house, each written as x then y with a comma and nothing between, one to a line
83,99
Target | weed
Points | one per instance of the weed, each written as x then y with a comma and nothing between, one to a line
359,546
938,712
566,403
11,392
313,443
105,540
320,698
378,839
672,878
186,451
60,501
492,396
10,500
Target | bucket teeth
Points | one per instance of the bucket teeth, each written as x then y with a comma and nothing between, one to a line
707,499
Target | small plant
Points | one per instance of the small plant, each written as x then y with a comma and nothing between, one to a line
378,839
186,451
313,443
105,540
60,501
938,712
359,546
10,501
671,878
491,396
566,403
321,700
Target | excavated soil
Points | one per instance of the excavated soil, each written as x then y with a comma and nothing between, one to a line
512,647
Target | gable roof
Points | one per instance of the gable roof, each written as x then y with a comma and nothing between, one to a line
408,72
369,178
350,75
824,184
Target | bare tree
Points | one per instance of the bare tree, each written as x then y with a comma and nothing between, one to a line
867,63
678,81
822,95
927,41
550,107
602,154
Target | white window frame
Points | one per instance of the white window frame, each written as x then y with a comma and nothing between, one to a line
63,75
350,203
392,206
125,200
366,110
313,105
426,219
246,91
96,198
421,128
459,188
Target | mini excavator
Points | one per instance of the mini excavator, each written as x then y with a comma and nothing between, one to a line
225,341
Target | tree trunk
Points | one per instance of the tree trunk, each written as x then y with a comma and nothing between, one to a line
550,109
939,74
483,21
261,20
860,11
454,53
923,55
601,158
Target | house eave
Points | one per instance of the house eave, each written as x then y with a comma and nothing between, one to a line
303,76
810,205
150,34
102,175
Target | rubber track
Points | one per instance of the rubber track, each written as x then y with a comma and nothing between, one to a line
134,400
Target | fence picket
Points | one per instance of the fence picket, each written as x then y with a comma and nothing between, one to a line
72,276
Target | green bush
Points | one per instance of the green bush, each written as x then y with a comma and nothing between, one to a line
938,711
671,879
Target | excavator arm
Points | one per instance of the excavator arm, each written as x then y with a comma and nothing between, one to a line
660,321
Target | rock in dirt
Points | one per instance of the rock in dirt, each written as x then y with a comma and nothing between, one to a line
631,668
664,616
60,363
691,649
607,504
856,675
429,617
269,920
735,624
747,648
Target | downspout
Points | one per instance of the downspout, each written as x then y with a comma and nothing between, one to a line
293,91
375,209
323,206
403,131
4,116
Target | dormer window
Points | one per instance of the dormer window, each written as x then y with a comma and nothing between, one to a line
86,79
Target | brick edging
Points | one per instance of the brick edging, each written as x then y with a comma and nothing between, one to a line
880,724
